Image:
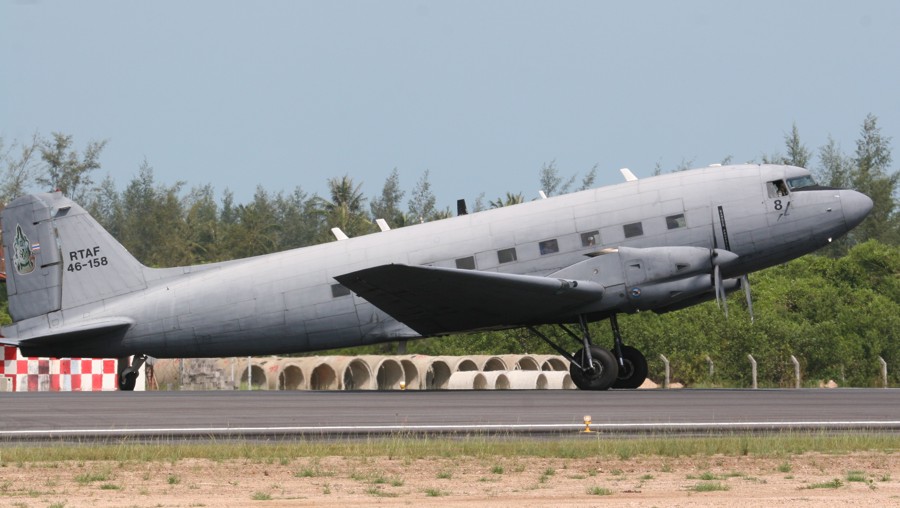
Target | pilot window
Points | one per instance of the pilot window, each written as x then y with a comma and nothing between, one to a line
776,188
590,239
800,182
338,290
675,221
506,255
466,263
634,229
549,247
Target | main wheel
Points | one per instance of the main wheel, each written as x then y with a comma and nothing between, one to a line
633,372
128,383
601,376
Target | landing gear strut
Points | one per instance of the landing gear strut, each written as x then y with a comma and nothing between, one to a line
128,372
595,368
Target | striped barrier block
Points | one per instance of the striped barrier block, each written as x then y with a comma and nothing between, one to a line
57,374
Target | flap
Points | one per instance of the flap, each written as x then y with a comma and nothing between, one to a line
436,301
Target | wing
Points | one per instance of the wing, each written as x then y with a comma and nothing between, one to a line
436,301
54,337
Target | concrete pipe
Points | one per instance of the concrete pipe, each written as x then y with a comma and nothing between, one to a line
527,362
437,374
353,373
291,376
493,363
388,372
258,378
464,364
496,380
467,380
559,380
552,363
320,373
411,374
527,380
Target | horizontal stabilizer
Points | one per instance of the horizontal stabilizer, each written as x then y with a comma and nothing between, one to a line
64,334
437,301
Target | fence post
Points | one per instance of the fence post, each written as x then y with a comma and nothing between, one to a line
796,371
249,374
666,363
711,368
752,370
883,371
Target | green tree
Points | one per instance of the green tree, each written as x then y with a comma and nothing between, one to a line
17,169
345,209
422,202
509,200
66,170
387,206
872,176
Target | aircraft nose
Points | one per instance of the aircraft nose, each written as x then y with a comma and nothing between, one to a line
856,206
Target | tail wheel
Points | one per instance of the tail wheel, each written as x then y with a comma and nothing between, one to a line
602,374
127,381
633,370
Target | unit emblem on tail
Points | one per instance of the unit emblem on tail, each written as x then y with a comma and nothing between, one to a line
23,257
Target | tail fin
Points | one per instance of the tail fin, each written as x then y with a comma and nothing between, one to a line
58,257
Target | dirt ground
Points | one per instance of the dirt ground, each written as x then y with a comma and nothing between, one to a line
861,479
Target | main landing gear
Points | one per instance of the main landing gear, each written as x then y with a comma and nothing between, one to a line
595,368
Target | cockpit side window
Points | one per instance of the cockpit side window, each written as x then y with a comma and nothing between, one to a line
801,182
776,188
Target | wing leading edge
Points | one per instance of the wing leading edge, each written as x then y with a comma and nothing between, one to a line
437,301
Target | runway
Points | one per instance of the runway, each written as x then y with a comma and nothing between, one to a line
76,416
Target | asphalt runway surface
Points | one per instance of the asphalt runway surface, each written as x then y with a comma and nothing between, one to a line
76,416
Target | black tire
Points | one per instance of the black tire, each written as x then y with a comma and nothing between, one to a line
634,371
604,374
128,383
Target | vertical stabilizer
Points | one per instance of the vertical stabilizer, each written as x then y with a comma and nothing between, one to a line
58,257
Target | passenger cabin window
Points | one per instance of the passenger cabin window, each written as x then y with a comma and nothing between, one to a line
466,263
675,221
337,290
590,239
549,247
506,255
776,188
632,230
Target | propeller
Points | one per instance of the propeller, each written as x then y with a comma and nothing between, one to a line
745,282
720,257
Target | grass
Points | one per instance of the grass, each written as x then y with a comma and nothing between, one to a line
444,475
378,492
598,491
709,487
856,476
833,484
93,476
173,479
435,493
110,486
497,469
423,447
784,467
261,496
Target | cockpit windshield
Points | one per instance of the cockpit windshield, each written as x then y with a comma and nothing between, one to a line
800,182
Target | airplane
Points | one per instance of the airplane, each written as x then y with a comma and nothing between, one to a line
653,244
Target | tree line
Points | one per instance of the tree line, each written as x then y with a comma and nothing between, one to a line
836,315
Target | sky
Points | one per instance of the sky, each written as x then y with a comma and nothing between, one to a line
481,94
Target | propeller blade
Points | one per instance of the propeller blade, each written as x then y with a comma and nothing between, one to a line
720,290
745,281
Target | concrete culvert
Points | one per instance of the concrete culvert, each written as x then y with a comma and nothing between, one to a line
323,377
465,364
527,362
527,380
389,374
467,380
437,375
352,372
496,380
258,380
411,374
493,363
553,363
291,377
559,381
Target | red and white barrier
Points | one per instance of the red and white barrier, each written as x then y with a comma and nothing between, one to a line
57,374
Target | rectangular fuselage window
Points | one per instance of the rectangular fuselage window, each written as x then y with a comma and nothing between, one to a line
590,239
549,247
466,263
633,229
339,290
675,221
506,255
